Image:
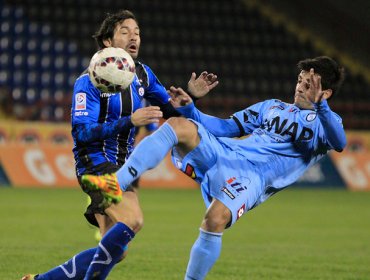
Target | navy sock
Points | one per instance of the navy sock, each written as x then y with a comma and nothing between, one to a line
203,255
148,154
74,268
110,251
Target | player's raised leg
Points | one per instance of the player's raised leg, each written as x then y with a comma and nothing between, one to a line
148,154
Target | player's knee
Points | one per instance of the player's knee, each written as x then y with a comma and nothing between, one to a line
186,131
135,223
215,223
139,223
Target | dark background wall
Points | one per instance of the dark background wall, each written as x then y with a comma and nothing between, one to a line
343,24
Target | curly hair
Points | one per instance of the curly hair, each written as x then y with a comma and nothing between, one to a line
106,29
332,75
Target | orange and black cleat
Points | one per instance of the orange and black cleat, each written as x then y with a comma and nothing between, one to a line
107,184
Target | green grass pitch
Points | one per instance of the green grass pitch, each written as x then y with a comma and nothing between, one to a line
297,234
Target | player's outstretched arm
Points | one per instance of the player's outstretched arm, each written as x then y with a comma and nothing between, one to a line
199,87
332,125
179,97
218,127
91,132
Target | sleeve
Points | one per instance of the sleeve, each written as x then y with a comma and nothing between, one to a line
155,92
85,115
251,118
218,127
332,126
92,132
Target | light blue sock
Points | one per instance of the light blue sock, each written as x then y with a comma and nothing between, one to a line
148,154
110,251
74,268
203,255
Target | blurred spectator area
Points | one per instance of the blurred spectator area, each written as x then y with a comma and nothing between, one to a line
45,45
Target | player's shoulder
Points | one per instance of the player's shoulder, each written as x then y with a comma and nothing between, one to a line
84,84
83,80
143,72
141,67
272,104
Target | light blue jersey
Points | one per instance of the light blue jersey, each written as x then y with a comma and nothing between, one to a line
281,143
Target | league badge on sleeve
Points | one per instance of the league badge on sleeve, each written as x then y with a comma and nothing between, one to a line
80,101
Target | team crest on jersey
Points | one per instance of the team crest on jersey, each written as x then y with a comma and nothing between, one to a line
310,117
80,101
141,91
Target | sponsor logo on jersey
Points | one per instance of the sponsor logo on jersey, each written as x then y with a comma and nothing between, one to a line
77,114
228,193
80,101
233,187
189,170
240,212
283,128
107,94
250,113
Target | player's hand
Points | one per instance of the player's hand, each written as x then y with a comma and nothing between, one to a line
199,87
179,97
315,93
146,115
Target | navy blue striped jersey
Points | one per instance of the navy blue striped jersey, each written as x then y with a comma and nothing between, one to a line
101,122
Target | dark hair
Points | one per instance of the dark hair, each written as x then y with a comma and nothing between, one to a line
332,75
106,29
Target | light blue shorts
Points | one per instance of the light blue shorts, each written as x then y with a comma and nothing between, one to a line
223,174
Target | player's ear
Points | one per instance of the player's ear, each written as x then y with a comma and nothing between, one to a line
107,42
327,93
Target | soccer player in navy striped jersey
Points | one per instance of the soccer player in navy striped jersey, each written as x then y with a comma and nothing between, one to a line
236,175
103,129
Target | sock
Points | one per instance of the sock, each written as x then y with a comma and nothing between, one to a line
156,145
203,255
74,268
110,251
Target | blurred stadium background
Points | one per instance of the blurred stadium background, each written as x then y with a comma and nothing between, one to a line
253,46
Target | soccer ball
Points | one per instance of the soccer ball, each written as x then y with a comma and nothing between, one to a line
111,69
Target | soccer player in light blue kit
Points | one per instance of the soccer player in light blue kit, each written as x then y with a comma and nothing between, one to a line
236,175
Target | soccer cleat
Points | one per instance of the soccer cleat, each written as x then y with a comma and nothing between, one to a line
28,277
107,184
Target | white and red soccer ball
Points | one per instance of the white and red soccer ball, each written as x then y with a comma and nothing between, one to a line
111,69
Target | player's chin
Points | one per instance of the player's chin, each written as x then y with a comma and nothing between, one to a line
134,54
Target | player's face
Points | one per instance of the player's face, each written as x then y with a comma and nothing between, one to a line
126,36
301,98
